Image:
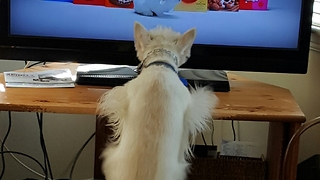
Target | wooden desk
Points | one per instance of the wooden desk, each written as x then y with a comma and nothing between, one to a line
247,101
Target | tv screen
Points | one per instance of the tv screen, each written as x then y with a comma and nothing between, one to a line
244,35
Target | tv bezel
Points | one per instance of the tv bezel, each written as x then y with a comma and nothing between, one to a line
212,57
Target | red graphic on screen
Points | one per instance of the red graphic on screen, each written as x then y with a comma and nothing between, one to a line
254,4
189,1
90,2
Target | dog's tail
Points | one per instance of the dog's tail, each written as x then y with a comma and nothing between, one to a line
199,111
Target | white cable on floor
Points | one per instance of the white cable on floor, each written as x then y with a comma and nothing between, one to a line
21,163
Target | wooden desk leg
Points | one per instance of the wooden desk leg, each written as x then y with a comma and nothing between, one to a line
293,159
101,137
279,136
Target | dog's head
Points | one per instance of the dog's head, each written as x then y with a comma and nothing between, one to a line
162,37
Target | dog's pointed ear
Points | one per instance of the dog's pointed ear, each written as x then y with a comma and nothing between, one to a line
184,44
141,37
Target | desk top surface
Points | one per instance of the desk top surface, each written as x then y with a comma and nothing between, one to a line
248,100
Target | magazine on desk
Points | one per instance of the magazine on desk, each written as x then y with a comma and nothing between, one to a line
56,78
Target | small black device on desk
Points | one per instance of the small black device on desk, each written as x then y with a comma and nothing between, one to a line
105,75
117,75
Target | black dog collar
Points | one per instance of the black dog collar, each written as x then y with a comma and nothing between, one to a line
159,63
162,63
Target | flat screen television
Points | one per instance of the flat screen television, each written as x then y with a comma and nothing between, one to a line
262,36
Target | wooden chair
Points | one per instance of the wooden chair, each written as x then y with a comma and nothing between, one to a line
295,138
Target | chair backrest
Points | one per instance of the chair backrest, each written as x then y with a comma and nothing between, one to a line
293,141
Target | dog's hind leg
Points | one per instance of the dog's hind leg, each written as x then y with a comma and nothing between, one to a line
113,104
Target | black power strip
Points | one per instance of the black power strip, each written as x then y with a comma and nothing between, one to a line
205,151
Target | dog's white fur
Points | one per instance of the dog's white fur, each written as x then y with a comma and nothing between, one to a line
154,116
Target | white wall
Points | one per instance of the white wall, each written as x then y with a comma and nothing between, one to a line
65,134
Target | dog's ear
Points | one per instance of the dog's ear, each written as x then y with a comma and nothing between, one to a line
141,37
184,45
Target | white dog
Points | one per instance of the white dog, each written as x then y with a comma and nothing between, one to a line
154,116
154,7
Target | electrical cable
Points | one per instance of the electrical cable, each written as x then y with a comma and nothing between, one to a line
15,152
79,153
40,121
26,155
238,131
28,65
2,146
204,140
43,146
233,130
36,63
21,163
43,168
212,131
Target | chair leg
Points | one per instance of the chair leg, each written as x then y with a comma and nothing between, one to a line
295,138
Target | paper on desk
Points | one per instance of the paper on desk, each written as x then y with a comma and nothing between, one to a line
56,78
